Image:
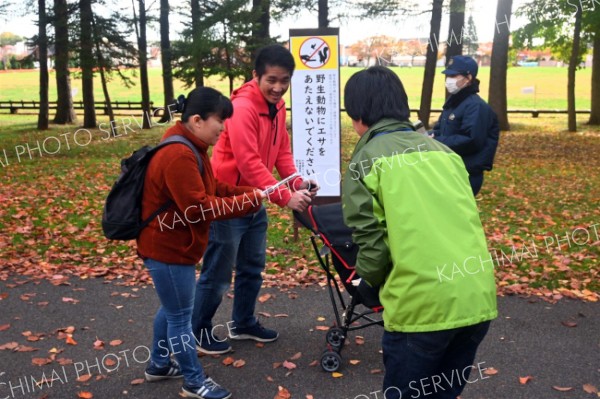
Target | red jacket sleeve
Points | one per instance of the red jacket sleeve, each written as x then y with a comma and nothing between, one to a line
189,194
243,129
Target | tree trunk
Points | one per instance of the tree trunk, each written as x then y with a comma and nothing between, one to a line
167,69
196,37
86,57
101,64
323,13
261,30
455,28
430,62
65,113
572,69
497,93
454,44
595,115
142,45
43,57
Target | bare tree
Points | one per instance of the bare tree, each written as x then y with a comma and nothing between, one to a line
499,64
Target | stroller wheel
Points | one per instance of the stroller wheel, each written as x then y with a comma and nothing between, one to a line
331,361
335,337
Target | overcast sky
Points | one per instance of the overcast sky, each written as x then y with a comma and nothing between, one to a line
483,12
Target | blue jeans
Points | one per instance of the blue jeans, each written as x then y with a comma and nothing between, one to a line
239,242
431,365
172,324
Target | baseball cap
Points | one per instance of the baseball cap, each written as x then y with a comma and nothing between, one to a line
461,65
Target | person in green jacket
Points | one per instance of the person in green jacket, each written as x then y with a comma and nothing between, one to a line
421,243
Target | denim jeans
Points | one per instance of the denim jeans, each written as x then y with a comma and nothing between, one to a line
239,242
172,324
431,365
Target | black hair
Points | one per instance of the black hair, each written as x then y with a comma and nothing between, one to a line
274,55
204,101
376,93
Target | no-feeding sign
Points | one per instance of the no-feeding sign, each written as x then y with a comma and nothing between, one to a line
315,95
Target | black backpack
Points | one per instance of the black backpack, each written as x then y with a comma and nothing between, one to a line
122,216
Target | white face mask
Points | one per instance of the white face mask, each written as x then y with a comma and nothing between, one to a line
452,85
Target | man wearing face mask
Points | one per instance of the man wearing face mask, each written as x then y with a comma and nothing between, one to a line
467,125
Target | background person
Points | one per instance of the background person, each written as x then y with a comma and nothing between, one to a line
411,216
170,254
467,125
254,142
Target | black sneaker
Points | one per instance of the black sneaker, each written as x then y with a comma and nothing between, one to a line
256,332
213,347
208,390
172,370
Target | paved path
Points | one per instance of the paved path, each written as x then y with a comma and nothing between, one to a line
528,339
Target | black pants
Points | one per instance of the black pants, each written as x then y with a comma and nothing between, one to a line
476,182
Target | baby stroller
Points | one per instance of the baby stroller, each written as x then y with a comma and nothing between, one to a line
327,225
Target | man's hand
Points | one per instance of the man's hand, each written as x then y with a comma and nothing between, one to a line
310,185
300,200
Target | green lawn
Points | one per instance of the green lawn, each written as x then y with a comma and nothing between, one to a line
546,183
550,83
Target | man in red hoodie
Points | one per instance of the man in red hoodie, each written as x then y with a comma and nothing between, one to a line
255,141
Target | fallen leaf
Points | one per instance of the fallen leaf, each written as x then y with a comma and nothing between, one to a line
276,365
281,315
296,356
336,374
23,348
265,314
490,371
589,388
239,363
562,389
359,340
40,361
320,318
115,342
4,327
322,328
70,340
354,362
84,378
110,362
289,365
525,380
259,345
283,393
270,379
569,324
376,371
9,346
137,381
313,363
63,361
309,397
264,298
228,361
98,344
85,395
